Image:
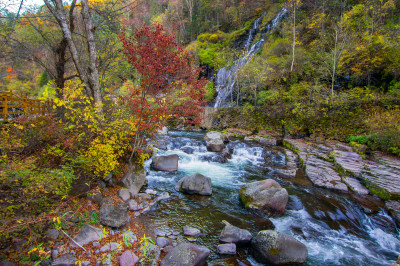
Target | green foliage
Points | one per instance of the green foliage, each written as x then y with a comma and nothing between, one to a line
210,91
44,79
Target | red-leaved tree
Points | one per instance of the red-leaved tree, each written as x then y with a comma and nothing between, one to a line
170,87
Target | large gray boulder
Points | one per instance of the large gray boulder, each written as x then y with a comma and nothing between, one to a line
233,234
168,163
86,235
186,255
270,247
214,141
134,180
113,216
195,184
266,196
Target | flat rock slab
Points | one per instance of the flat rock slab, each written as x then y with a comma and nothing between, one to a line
226,249
355,185
86,235
322,174
382,176
350,161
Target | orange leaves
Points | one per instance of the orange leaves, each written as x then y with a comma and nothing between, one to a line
11,74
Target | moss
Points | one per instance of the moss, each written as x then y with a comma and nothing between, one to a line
274,251
376,190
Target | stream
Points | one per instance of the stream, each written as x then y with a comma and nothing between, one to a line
335,230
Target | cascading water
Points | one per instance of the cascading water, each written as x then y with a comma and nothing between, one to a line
226,76
335,229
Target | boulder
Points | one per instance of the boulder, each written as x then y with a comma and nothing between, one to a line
162,131
128,258
190,231
113,216
226,249
86,235
214,141
270,247
134,180
215,158
124,194
233,234
186,255
168,163
195,184
188,150
266,196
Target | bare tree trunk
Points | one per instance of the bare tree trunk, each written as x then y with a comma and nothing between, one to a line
93,75
294,34
334,60
89,77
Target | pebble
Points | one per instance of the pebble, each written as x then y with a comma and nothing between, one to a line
95,244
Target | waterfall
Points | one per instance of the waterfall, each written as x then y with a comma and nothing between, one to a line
226,76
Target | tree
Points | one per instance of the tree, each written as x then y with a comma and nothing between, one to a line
88,74
169,83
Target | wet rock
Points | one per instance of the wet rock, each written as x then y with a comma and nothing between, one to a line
227,153
124,194
133,205
190,231
266,196
134,180
214,141
64,260
195,184
150,192
369,204
393,207
162,242
215,158
162,196
52,234
271,247
168,163
188,150
226,249
86,235
233,234
109,247
128,258
322,174
186,254
152,256
113,216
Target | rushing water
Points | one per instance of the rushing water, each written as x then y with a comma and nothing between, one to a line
335,230
226,76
